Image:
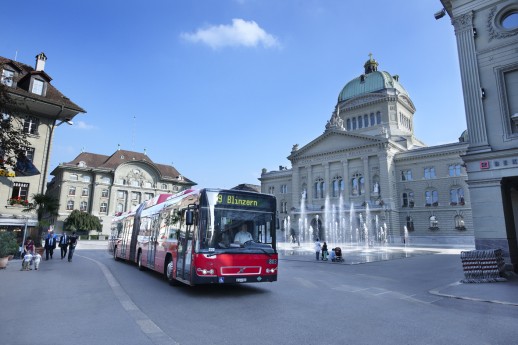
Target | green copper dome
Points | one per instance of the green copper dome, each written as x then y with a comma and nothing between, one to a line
371,81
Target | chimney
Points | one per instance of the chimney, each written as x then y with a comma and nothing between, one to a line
40,62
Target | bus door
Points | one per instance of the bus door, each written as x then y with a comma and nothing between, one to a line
126,234
185,246
153,240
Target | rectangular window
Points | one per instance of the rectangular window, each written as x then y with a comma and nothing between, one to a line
83,206
148,196
454,170
37,86
105,179
73,177
429,173
86,178
20,190
29,153
72,191
511,91
85,191
121,194
103,208
7,77
104,193
135,196
70,205
406,175
30,125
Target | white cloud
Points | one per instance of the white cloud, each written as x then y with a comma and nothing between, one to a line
240,33
83,125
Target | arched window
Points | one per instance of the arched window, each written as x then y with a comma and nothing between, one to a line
373,119
337,185
365,120
459,222
357,184
431,198
354,123
319,188
434,223
348,124
456,196
409,223
378,118
360,122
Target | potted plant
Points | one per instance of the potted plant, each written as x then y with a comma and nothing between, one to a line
8,246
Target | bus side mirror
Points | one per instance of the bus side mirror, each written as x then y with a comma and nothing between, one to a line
189,215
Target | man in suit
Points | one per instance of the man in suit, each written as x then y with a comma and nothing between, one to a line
63,244
50,245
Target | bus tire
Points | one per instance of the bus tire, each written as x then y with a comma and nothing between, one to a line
115,254
169,273
139,261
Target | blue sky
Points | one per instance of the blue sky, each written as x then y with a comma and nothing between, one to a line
224,88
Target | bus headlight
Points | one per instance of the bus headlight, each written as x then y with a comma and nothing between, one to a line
271,270
205,272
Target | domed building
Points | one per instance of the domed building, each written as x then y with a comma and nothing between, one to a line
368,178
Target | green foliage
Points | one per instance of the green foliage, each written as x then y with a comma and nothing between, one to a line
8,244
46,208
44,205
80,221
13,140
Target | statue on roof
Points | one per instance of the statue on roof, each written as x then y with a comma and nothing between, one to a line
336,121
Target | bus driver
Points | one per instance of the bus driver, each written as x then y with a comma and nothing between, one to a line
243,235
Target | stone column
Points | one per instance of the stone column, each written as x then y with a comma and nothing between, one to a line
471,87
367,178
309,185
326,178
347,182
295,187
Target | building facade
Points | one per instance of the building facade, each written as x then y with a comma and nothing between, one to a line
487,44
368,178
104,186
39,107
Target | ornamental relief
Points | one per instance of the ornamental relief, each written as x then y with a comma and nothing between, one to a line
494,30
463,22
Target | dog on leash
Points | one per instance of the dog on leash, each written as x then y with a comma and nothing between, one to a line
37,259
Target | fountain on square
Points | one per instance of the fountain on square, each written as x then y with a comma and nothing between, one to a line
357,230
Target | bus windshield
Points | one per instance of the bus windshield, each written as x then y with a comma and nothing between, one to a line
236,229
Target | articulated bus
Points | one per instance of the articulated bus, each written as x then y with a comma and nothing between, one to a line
190,237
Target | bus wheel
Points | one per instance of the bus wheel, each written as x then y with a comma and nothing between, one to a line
169,273
139,262
115,254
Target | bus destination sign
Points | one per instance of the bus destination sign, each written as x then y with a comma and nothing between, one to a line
243,201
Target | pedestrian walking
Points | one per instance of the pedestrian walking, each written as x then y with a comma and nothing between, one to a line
317,248
72,242
63,244
324,252
50,245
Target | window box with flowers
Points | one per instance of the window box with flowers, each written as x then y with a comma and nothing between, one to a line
18,201
7,173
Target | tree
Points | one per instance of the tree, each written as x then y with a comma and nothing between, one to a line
46,208
81,221
13,140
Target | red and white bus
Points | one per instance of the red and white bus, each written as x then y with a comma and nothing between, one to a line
190,237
